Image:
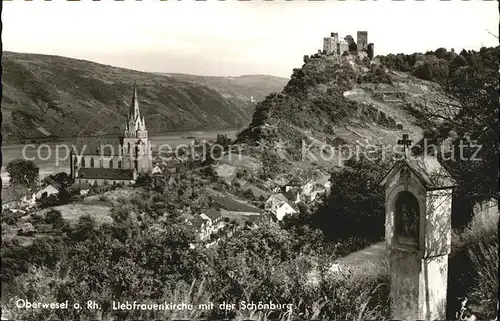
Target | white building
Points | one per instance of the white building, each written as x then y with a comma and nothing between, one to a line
278,205
284,210
51,189
157,170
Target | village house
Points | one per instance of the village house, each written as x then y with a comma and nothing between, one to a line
81,188
17,197
294,184
279,206
274,202
207,224
215,218
321,187
201,226
325,183
284,210
230,207
157,171
50,189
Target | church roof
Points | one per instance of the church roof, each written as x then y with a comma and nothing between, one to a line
428,170
106,173
94,145
135,121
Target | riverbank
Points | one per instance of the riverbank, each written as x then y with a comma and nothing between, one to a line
192,134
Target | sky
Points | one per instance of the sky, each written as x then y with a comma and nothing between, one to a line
232,38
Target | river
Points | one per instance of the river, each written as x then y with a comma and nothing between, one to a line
44,155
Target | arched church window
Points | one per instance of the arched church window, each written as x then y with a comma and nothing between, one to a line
101,163
111,163
407,217
83,161
92,162
119,163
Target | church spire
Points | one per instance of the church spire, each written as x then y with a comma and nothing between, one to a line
134,117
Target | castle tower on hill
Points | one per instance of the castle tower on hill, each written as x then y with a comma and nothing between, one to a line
362,40
334,46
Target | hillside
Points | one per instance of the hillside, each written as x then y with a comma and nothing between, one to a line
334,100
55,97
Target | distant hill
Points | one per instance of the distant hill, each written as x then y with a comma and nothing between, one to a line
56,97
242,87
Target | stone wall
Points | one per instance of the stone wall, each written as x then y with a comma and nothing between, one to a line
343,47
328,45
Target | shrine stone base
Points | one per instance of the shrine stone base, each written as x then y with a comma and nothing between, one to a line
405,271
418,286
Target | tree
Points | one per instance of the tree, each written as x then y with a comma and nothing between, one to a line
355,207
53,216
469,107
62,178
23,172
144,180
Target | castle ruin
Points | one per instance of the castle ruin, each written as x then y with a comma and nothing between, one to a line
334,46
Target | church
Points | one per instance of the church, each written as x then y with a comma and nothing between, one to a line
114,160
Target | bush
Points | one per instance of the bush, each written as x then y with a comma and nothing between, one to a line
9,217
473,268
377,75
357,293
27,229
355,207
53,217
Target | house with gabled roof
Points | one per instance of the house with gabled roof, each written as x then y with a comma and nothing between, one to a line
81,188
53,188
279,206
201,226
274,201
157,170
226,203
17,197
285,209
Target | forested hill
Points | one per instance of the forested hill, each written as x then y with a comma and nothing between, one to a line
50,96
347,99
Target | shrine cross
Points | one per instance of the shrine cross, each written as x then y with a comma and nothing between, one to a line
405,142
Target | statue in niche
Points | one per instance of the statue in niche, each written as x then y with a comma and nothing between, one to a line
407,217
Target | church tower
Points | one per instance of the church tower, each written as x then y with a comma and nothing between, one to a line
136,145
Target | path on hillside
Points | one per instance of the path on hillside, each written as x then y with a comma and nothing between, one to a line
364,256
359,257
